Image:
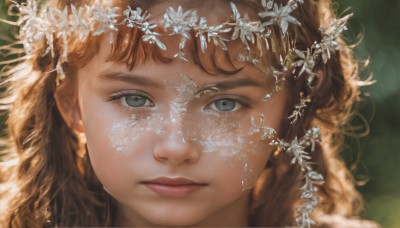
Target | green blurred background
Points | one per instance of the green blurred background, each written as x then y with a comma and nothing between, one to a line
378,168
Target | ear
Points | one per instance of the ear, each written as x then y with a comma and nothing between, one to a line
66,97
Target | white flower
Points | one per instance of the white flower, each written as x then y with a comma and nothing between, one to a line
135,17
297,149
106,19
80,23
138,18
330,34
249,32
30,24
312,137
280,15
268,5
61,27
44,28
152,37
181,22
28,12
244,27
306,62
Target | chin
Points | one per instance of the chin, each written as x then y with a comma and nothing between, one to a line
175,218
178,221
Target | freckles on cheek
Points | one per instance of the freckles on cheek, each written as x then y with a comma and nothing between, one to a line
227,141
126,133
221,137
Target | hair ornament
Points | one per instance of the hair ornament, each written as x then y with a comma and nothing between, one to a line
266,132
279,14
297,149
299,109
308,59
37,25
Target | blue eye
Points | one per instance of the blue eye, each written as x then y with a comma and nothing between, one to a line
225,105
136,101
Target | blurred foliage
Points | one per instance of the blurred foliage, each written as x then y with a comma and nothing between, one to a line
379,22
377,168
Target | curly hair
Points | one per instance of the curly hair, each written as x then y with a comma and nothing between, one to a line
50,182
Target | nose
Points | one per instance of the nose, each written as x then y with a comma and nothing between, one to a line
173,148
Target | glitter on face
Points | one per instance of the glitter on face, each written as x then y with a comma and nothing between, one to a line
244,177
125,132
227,138
249,175
186,89
120,133
129,130
222,136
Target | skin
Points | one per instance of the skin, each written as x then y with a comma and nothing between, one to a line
174,133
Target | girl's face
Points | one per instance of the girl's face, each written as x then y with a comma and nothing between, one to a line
174,145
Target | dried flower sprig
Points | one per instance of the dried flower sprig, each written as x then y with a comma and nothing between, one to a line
308,59
181,23
312,179
54,23
138,18
207,33
297,148
330,36
106,19
279,14
98,20
299,109
248,31
266,132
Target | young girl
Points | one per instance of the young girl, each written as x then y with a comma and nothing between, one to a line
178,113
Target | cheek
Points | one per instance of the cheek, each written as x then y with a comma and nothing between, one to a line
227,143
129,134
110,136
239,144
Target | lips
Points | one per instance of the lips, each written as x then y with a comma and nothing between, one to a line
173,187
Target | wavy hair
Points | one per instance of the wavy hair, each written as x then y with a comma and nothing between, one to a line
47,176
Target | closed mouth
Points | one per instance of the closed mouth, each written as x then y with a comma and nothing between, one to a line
173,187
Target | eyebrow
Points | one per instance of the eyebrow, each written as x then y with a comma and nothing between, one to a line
225,85
130,78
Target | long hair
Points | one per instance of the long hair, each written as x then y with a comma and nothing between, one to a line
52,181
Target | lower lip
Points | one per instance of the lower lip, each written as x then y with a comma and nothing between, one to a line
174,190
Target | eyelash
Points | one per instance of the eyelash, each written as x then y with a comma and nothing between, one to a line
118,98
244,103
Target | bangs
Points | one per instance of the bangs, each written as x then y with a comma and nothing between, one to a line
128,47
